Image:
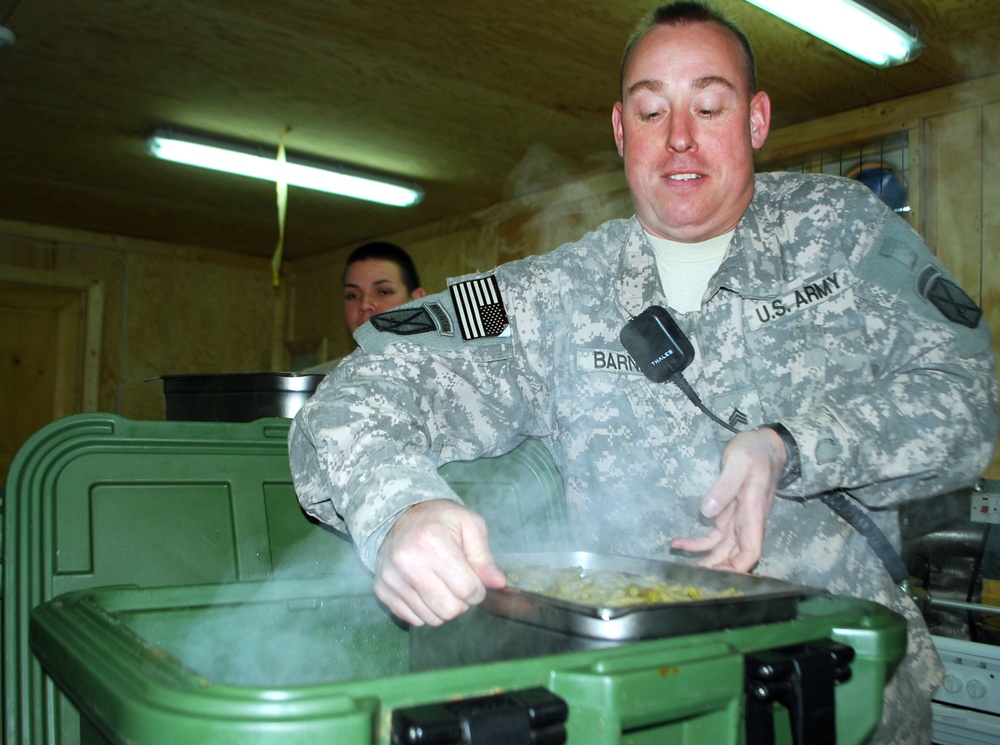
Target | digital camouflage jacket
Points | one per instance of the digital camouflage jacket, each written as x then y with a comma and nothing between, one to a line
828,314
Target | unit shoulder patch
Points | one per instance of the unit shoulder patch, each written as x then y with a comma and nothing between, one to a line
429,323
952,301
404,321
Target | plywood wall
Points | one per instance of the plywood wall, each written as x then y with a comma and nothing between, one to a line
991,218
166,309
961,176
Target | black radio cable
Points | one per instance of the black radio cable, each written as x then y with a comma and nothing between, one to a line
841,503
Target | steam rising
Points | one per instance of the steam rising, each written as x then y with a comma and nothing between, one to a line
314,622
317,621
549,201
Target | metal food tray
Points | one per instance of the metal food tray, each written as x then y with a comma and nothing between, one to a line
763,600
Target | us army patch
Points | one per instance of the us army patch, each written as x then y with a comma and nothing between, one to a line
479,308
951,300
817,290
409,320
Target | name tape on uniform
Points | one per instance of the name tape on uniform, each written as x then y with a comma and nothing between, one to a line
605,360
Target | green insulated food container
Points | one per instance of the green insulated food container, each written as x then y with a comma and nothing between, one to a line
301,662
96,500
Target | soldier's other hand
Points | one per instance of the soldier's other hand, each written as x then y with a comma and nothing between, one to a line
739,502
435,563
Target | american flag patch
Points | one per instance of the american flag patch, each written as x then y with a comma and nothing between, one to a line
479,308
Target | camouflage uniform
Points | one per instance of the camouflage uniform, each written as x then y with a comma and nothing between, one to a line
814,319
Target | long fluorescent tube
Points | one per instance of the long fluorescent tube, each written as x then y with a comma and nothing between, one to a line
856,28
257,162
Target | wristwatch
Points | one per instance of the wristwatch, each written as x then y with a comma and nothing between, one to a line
793,464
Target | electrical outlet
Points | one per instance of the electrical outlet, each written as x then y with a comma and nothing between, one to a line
985,508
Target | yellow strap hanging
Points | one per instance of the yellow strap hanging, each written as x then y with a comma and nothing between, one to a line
281,185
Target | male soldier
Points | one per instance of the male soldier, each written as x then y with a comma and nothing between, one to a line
814,313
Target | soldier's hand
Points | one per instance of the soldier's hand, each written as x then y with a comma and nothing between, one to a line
740,501
435,563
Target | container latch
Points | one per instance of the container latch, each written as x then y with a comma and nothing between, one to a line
800,677
533,716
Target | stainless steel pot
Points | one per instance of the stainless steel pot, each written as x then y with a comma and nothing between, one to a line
236,397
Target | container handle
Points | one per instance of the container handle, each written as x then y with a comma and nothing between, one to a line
533,716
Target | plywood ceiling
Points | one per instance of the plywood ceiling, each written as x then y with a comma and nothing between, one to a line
476,101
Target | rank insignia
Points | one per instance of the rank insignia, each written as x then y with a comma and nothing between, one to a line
479,308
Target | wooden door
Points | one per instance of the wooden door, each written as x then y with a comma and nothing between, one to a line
47,351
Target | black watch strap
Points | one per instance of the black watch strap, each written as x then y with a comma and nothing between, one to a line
793,464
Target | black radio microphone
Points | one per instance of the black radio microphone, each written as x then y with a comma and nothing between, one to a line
661,350
657,344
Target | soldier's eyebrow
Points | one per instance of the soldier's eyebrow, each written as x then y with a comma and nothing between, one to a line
709,80
650,85
377,282
706,81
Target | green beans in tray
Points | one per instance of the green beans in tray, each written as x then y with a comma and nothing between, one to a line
606,588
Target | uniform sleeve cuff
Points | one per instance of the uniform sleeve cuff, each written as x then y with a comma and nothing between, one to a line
823,448
386,495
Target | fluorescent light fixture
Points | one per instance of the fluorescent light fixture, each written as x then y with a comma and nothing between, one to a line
855,27
259,162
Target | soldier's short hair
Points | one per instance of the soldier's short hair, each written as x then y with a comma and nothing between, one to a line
683,13
385,251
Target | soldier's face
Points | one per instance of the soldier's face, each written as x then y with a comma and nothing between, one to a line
373,286
687,128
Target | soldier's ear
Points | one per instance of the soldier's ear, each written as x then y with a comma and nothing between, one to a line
618,128
760,119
